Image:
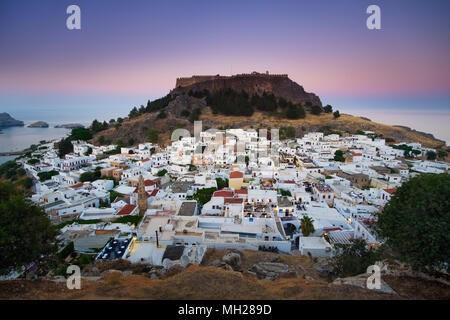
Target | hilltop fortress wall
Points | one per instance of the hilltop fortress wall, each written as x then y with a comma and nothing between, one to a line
184,82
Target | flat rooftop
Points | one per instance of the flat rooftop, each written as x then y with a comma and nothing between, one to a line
187,208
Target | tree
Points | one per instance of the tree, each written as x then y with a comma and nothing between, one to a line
195,115
90,176
306,225
316,110
416,221
33,161
65,146
353,259
162,114
204,195
285,193
442,155
133,113
339,156
221,183
336,114
47,175
431,155
328,109
25,230
295,112
97,126
152,135
185,113
161,173
81,133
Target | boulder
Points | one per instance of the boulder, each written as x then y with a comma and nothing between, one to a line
233,259
323,268
269,270
216,263
361,281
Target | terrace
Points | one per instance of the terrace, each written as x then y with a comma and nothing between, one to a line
258,210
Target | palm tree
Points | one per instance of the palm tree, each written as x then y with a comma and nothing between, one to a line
306,224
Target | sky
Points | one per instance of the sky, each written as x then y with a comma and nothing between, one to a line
129,51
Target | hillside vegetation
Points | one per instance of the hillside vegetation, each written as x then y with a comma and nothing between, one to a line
242,101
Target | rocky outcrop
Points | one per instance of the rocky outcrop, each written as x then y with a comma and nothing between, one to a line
255,83
323,268
7,121
233,259
361,281
271,270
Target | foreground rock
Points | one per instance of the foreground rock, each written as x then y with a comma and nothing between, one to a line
323,268
232,259
361,282
271,270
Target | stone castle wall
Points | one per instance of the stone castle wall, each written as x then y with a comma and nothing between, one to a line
184,82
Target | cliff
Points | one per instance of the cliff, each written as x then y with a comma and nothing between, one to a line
7,121
253,83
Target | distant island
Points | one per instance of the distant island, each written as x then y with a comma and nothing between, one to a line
7,121
38,124
70,126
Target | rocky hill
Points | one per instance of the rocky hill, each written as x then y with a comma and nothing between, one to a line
254,83
138,128
7,121
189,102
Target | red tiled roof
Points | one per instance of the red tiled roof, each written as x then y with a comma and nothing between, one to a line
145,160
233,200
78,185
236,175
331,229
390,191
126,210
289,181
356,154
241,191
149,183
154,192
223,193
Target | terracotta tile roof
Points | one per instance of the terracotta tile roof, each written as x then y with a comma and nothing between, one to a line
149,183
145,160
103,232
233,200
331,229
390,191
289,181
78,185
154,193
242,191
223,193
126,210
356,154
236,175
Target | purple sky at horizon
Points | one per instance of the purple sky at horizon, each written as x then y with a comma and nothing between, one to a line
141,47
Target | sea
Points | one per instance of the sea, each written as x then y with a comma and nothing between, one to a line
427,114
